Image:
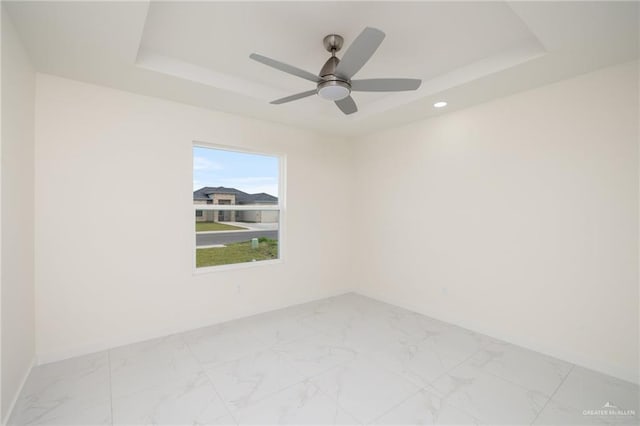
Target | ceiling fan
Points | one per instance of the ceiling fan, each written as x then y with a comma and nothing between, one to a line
334,82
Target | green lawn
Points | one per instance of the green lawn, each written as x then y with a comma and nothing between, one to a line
216,226
237,253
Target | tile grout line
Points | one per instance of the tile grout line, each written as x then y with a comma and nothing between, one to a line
499,378
268,395
110,387
509,380
306,378
311,380
420,387
267,348
336,400
362,355
444,397
396,406
331,397
429,388
215,389
438,377
553,394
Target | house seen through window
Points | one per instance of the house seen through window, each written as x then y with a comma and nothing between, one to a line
237,206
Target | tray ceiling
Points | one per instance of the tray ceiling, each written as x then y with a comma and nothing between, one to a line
198,52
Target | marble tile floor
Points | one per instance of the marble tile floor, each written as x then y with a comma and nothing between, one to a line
346,360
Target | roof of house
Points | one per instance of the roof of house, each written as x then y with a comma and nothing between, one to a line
207,192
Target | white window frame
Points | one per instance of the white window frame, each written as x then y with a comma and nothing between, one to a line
281,207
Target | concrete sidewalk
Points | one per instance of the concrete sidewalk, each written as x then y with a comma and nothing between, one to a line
255,226
250,227
204,239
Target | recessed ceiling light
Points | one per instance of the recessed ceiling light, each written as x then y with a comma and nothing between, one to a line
440,104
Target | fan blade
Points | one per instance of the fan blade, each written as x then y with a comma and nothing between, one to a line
360,51
347,105
385,84
294,97
290,69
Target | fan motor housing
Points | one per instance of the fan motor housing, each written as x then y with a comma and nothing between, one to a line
329,67
333,87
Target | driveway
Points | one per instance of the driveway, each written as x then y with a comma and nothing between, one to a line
226,237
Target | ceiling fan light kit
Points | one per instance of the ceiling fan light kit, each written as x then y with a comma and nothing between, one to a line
333,82
334,90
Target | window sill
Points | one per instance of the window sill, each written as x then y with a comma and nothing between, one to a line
234,266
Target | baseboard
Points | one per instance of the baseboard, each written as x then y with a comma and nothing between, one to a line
578,359
14,400
106,344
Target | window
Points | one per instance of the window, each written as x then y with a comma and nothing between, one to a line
237,200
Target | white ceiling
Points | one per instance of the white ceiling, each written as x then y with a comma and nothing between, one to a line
198,52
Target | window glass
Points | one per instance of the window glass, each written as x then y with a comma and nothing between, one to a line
236,203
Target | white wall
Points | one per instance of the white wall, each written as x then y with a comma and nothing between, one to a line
517,218
108,272
17,295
